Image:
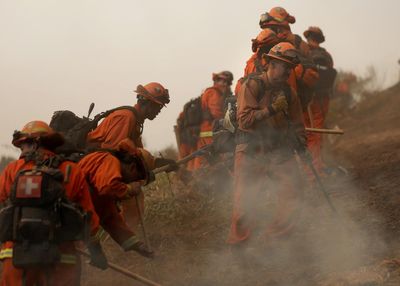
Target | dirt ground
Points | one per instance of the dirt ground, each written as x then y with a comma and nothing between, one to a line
359,247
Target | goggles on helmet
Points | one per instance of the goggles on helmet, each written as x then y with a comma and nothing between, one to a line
266,17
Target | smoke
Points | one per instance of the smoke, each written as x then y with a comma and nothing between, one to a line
320,245
188,230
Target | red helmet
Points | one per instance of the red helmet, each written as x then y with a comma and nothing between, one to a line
225,75
314,33
38,131
277,16
266,37
154,92
285,52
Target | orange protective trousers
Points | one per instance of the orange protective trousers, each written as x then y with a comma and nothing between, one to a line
58,275
111,218
255,184
131,211
318,108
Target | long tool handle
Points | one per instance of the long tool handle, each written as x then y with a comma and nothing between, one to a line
140,213
185,159
325,131
123,271
322,188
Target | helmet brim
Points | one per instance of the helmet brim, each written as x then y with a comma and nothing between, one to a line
49,141
143,92
281,59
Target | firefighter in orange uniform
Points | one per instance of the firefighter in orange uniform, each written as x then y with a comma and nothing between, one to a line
269,116
126,123
38,253
212,103
114,177
318,107
305,76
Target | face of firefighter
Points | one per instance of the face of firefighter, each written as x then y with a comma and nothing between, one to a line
28,147
277,72
222,85
152,109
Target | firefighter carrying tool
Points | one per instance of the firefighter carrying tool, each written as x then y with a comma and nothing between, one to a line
125,123
263,156
46,207
319,105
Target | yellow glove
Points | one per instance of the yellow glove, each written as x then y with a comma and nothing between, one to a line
280,104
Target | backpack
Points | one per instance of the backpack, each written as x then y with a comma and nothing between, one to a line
188,126
327,75
192,113
38,217
75,129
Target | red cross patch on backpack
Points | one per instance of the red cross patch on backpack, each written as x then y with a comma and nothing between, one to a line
29,186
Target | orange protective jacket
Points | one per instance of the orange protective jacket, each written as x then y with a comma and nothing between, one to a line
103,171
76,190
212,103
249,106
117,126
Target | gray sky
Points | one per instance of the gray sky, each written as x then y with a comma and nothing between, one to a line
66,54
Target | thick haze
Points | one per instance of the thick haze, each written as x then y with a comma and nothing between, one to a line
66,54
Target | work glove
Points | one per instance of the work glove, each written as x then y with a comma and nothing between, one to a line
97,256
173,166
280,104
142,249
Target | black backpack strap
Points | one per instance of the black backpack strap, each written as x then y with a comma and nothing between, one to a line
55,161
104,114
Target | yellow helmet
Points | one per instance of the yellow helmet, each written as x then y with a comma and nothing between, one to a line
38,131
